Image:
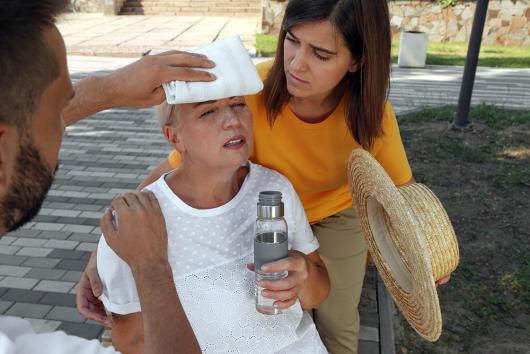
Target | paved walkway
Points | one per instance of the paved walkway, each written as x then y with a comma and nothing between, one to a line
410,89
113,151
130,36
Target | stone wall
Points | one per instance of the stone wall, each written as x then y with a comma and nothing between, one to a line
272,15
108,7
507,23
85,5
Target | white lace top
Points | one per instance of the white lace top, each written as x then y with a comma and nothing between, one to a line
208,252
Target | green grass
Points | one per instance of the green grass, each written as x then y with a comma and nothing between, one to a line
437,53
493,116
490,55
266,44
485,192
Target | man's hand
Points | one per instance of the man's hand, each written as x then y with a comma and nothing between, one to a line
141,238
139,85
88,291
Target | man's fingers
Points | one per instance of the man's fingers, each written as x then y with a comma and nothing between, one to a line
173,52
158,95
152,200
132,200
106,226
186,60
118,203
185,74
144,199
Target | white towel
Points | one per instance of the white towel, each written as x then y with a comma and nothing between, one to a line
236,75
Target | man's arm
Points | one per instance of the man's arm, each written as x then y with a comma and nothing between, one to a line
137,85
89,287
128,333
141,241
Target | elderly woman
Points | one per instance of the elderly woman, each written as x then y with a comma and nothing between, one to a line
209,206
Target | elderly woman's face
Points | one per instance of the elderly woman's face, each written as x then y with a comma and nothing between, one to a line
214,133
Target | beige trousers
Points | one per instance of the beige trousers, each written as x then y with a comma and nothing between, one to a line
343,250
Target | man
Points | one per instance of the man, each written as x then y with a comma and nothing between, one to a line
35,89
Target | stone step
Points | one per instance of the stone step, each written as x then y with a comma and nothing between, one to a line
219,6
188,2
197,11
192,7
193,4
243,11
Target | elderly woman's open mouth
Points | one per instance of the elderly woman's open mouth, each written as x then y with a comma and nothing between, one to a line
235,142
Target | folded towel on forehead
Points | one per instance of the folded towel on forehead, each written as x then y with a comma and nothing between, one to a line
236,75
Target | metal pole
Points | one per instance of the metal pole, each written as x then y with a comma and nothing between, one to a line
470,69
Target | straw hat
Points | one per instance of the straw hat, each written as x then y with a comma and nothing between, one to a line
410,239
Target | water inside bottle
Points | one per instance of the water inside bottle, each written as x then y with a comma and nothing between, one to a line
265,305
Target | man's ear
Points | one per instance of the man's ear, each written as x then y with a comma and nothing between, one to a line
172,135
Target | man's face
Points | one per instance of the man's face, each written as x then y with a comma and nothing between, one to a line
30,154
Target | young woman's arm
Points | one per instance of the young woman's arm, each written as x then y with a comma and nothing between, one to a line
155,174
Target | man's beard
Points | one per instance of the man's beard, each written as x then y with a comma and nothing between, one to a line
31,181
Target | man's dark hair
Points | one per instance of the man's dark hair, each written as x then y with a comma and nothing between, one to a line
27,63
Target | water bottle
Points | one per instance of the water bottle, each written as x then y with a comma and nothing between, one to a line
270,244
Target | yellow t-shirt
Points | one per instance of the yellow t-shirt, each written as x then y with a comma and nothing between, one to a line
314,157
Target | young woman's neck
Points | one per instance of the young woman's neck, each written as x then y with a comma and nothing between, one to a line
316,109
201,189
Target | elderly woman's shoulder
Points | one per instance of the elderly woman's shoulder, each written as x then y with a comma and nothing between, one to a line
272,179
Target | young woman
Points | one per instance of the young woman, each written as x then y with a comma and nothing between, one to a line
324,95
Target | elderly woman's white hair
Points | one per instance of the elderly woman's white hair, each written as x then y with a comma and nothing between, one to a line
164,113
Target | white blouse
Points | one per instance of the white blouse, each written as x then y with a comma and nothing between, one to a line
208,250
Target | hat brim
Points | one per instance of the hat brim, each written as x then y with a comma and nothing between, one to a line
396,244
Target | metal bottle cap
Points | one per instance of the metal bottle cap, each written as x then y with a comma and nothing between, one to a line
270,205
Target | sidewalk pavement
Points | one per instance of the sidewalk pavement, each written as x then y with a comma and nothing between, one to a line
114,150
410,89
130,36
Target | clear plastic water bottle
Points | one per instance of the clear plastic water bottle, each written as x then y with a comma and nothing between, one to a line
270,244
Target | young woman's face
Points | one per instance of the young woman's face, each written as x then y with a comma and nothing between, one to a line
315,59
214,133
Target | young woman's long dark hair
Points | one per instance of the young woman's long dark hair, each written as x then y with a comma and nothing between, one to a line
365,25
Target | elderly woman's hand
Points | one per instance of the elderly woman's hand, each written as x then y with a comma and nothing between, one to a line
287,290
307,281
